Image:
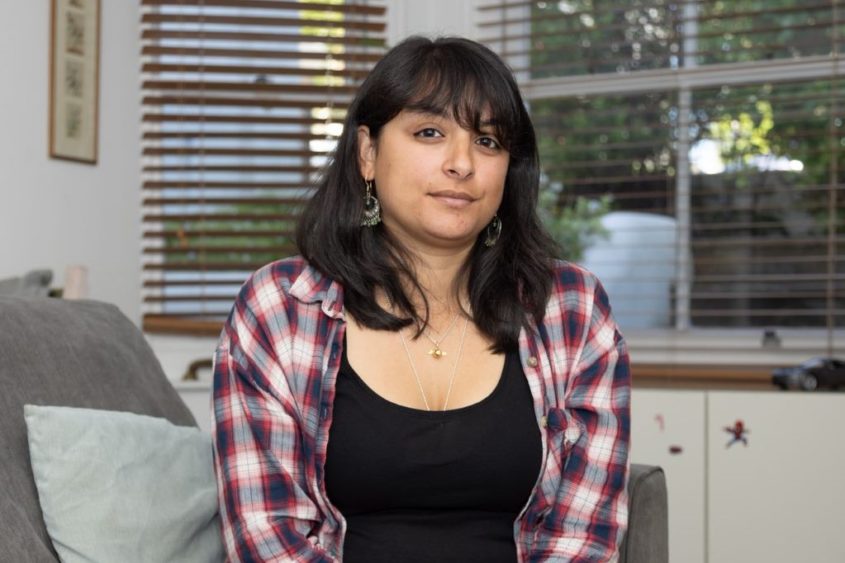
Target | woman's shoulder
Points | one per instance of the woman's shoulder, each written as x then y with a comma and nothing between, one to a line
577,294
287,280
282,275
285,270
569,276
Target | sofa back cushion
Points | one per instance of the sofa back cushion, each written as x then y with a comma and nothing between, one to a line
69,353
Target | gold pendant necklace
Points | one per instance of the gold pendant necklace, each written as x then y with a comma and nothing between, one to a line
454,367
437,352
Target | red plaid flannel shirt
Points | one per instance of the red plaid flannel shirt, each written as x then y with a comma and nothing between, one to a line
274,382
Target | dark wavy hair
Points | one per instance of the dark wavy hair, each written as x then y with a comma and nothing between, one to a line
507,283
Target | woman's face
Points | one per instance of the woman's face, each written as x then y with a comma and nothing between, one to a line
438,184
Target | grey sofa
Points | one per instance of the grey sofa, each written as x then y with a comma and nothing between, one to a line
87,354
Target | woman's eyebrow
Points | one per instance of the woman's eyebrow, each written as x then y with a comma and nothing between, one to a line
426,113
488,126
420,113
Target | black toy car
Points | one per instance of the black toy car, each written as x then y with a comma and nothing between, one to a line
812,374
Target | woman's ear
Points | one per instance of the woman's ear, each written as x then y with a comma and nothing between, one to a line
366,153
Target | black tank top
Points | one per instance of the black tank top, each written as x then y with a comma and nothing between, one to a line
439,486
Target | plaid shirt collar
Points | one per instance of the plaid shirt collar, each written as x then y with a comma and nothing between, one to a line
312,286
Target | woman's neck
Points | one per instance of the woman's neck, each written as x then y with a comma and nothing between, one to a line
436,274
438,271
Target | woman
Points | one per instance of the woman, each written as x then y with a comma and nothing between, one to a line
426,382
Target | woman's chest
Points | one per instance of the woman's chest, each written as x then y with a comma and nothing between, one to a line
427,372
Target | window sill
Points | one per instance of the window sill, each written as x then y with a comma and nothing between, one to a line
698,376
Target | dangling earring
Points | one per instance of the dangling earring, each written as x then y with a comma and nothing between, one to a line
372,209
494,229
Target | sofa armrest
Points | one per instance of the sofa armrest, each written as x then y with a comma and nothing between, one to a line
647,539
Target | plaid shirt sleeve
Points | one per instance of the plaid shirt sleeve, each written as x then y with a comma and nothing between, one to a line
590,512
265,509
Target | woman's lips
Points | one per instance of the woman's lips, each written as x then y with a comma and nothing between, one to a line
453,198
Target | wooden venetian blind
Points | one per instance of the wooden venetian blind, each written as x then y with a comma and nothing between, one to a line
242,102
707,137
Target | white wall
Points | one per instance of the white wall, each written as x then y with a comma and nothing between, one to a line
55,213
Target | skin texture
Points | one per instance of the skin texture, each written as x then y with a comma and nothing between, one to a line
417,161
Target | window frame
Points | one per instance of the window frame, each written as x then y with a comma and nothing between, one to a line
684,344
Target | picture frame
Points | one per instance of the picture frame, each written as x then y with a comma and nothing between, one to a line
74,79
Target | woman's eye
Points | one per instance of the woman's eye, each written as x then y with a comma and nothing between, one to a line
489,142
428,132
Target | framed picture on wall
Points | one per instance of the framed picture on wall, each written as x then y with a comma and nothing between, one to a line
74,79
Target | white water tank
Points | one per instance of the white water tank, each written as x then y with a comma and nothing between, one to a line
636,264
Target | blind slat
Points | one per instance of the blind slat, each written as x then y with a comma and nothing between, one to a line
217,201
216,168
312,24
368,40
228,151
253,135
222,266
191,283
182,324
210,250
264,5
211,233
158,50
197,297
189,119
218,217
193,86
246,69
206,101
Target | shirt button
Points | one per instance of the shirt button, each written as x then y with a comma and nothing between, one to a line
543,421
532,361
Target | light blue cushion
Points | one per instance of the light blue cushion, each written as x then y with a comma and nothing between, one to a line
116,486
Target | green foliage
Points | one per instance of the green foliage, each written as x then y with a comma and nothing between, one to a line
740,138
572,37
574,227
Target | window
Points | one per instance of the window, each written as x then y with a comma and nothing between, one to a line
697,148
242,101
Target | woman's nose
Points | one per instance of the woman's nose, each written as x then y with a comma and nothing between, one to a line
458,164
